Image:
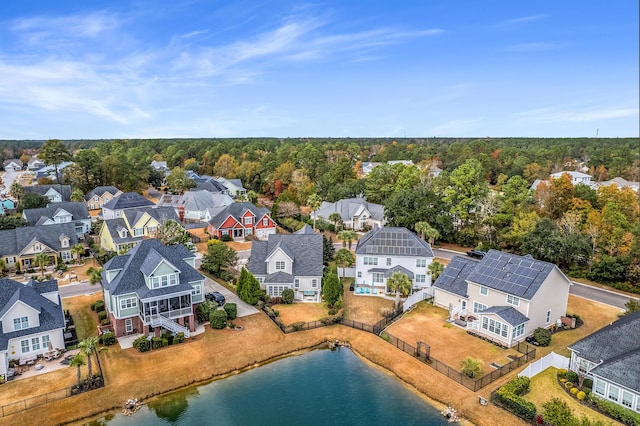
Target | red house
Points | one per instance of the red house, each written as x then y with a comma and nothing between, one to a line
240,220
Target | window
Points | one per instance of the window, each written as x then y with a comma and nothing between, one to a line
129,302
388,261
421,278
484,291
20,323
128,325
45,341
24,346
370,260
421,263
627,399
260,280
478,307
35,343
518,331
196,290
265,222
495,327
314,283
123,233
359,274
173,279
275,290
248,220
547,318
65,242
279,264
65,255
138,232
164,280
614,393
118,213
513,300
378,277
598,387
96,198
296,283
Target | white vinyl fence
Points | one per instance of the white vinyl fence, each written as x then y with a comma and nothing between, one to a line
347,272
416,297
551,360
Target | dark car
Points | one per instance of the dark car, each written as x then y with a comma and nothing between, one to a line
351,287
476,254
215,296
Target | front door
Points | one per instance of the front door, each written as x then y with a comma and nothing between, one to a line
154,311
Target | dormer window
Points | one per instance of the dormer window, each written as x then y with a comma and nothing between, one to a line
248,220
20,323
123,233
37,247
65,242
118,213
96,198
280,264
164,281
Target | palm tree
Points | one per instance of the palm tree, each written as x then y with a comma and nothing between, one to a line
42,260
314,202
435,269
335,218
344,258
77,361
77,251
347,237
95,275
399,283
16,191
88,347
426,231
471,367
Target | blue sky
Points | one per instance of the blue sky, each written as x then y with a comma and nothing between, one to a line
138,69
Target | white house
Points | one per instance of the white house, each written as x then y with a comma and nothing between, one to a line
503,297
32,320
64,212
611,357
383,251
55,193
355,213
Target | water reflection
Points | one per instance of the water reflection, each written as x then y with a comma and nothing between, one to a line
171,407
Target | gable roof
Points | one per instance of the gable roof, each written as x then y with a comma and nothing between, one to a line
78,211
454,276
393,241
13,241
508,313
132,280
100,191
623,369
304,249
160,214
63,190
349,207
236,210
195,200
127,200
50,314
114,226
306,230
209,184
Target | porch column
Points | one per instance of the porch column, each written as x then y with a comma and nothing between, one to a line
192,323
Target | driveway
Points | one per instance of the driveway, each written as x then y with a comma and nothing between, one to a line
244,308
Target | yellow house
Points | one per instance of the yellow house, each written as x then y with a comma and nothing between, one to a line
122,233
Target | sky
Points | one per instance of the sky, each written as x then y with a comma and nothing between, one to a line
346,68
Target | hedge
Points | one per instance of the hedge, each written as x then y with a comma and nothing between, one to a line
510,396
218,319
618,412
232,310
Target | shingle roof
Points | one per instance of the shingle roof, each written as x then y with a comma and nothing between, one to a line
306,251
132,280
100,191
236,210
13,241
279,278
161,214
114,226
127,200
63,190
210,185
623,369
393,242
305,230
51,316
507,313
521,276
390,271
78,211
349,207
454,277
195,200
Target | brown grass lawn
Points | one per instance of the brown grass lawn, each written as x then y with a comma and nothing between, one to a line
85,320
297,312
449,344
544,386
366,309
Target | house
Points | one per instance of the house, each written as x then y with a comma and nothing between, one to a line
31,320
50,171
7,206
120,203
19,246
620,183
193,205
576,177
35,164
161,166
368,166
383,251
240,220
13,165
503,297
289,261
55,193
611,357
233,186
133,226
100,196
356,213
208,183
152,288
67,211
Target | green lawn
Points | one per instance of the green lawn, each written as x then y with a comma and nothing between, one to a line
544,386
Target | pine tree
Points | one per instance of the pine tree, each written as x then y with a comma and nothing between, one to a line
242,281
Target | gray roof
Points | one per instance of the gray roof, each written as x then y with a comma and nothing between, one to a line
51,316
209,184
78,211
237,210
393,242
306,251
618,347
13,160
127,200
390,271
305,230
160,214
131,279
114,226
279,278
195,200
349,207
100,191
454,277
63,190
507,313
13,241
521,276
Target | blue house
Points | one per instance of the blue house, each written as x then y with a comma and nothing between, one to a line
6,204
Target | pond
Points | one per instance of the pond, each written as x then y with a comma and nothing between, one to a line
321,387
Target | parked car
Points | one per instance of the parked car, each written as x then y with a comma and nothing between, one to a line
476,254
216,297
351,287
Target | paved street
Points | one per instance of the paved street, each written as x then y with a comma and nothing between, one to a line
78,289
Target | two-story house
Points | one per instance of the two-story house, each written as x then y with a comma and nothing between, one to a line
355,213
64,212
240,220
289,261
234,187
118,204
12,165
383,251
503,297
100,196
55,193
7,206
611,357
152,287
193,205
19,246
31,320
133,225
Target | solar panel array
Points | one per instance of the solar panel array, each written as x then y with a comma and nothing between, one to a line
453,278
397,241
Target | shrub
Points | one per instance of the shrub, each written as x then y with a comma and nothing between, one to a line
204,309
581,395
571,376
108,339
178,338
232,310
542,336
276,312
562,372
333,311
563,380
287,296
568,385
218,319
100,305
93,306
226,238
159,342
105,321
573,391
587,383
102,315
297,326
616,411
510,396
141,344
